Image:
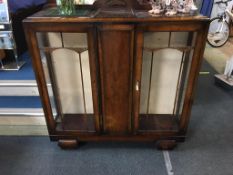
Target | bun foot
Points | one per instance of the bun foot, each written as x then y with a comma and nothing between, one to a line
166,144
68,144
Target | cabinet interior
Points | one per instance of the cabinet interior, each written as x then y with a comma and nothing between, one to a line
65,61
166,62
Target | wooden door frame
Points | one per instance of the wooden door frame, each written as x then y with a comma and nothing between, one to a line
31,30
201,30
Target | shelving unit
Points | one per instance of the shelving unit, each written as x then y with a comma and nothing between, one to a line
7,41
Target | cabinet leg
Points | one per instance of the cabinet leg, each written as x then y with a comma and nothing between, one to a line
166,144
68,144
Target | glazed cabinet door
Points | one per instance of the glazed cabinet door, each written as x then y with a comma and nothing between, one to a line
116,63
69,62
166,66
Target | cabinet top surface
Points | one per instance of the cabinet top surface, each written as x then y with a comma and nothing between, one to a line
87,14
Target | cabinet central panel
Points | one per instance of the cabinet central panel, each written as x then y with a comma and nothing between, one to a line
116,60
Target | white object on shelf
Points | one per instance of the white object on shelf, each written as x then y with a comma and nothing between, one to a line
89,1
79,2
224,81
229,67
4,15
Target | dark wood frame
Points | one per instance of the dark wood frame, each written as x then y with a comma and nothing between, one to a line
193,74
94,27
91,33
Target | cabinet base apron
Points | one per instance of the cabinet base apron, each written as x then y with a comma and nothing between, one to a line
162,143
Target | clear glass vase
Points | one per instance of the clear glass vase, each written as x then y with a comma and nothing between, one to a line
66,7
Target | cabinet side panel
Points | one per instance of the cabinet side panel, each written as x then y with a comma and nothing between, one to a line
116,53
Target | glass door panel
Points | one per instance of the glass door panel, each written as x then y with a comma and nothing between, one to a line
166,61
65,59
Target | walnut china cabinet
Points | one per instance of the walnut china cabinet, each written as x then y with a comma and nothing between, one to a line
115,73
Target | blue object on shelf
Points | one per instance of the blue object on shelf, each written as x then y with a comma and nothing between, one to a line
206,7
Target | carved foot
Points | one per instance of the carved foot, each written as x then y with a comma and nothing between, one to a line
166,144
68,144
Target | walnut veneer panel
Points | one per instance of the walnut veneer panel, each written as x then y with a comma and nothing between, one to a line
116,61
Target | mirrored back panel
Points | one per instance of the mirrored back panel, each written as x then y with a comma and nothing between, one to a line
65,60
166,62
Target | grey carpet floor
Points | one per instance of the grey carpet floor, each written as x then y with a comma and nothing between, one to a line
38,156
208,149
